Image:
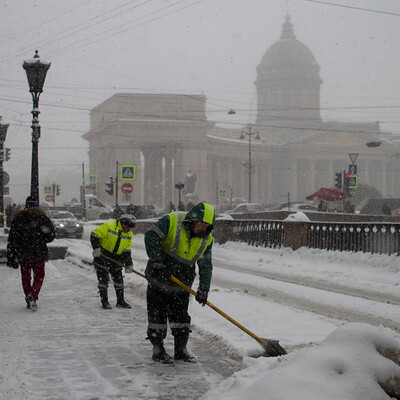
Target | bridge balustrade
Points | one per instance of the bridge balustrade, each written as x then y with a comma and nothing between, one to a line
380,238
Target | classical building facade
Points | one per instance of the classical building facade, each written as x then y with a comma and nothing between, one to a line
170,140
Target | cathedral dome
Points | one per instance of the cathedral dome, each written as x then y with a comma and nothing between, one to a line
287,50
288,82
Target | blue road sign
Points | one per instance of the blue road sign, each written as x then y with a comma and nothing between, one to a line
352,169
92,179
353,182
222,193
128,173
48,190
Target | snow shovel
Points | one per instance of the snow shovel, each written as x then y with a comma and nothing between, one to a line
272,347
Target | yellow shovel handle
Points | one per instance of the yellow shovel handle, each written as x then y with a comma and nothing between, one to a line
120,264
215,308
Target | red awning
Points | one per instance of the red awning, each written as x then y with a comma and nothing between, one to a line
328,195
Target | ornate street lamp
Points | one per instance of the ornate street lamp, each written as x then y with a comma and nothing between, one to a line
249,166
3,134
36,73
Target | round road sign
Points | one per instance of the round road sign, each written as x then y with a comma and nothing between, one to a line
6,178
127,188
48,197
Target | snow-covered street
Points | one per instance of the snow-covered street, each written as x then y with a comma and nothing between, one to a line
72,349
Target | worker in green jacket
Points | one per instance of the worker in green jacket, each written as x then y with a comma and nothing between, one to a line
111,242
174,244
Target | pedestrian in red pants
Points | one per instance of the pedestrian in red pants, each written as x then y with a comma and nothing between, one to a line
30,232
38,276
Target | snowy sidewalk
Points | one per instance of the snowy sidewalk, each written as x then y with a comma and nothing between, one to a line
72,349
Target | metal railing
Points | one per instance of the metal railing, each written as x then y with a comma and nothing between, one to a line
382,238
258,233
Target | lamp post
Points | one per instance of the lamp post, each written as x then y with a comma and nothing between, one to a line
179,186
249,166
36,73
3,134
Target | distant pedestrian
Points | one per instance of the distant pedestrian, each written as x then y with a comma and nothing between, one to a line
181,206
171,206
349,207
322,206
30,232
130,209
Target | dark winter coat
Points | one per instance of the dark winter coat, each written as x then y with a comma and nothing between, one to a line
30,232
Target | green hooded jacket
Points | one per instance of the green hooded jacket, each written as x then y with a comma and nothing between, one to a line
170,241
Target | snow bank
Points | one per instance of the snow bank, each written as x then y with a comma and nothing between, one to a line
351,363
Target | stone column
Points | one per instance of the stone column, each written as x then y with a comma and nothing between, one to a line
168,181
152,176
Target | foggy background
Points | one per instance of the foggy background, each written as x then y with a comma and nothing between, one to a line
98,48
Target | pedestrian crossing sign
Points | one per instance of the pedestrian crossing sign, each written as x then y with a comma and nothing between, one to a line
127,172
92,179
48,190
222,193
353,182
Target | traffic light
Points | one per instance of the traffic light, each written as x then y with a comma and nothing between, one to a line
8,153
58,190
338,180
346,182
110,186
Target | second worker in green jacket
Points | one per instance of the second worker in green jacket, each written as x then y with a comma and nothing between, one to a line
174,245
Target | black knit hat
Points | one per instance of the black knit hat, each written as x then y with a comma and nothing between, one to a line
30,202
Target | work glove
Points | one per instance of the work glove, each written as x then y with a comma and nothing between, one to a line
158,266
12,264
201,296
129,269
97,252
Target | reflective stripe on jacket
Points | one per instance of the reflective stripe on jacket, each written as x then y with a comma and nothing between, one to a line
177,244
112,237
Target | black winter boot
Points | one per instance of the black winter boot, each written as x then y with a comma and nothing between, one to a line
181,352
120,299
104,299
159,353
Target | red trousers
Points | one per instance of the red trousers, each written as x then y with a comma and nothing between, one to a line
38,277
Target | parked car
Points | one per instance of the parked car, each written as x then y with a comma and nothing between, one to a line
246,208
378,206
281,206
140,211
301,207
66,224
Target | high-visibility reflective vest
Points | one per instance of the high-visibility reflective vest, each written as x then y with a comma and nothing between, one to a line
177,244
113,238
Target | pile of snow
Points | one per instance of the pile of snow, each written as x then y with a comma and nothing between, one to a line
297,217
356,361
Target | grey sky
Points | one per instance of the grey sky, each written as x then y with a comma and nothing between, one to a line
98,48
